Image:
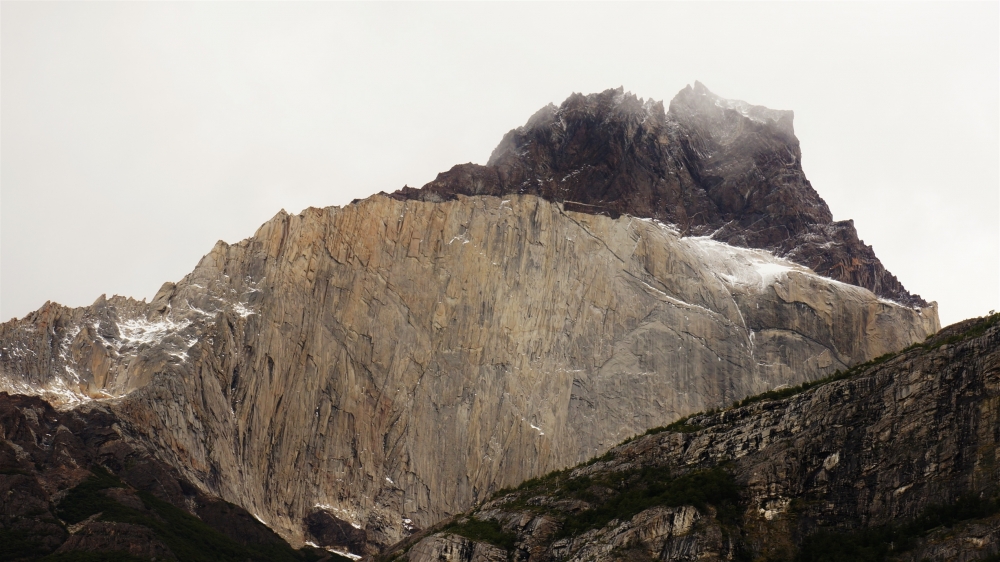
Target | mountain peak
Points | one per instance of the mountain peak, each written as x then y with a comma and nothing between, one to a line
699,102
712,166
612,109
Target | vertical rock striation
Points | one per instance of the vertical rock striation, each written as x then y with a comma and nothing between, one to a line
898,445
403,359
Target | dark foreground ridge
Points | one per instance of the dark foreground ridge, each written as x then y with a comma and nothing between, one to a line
73,487
893,460
712,166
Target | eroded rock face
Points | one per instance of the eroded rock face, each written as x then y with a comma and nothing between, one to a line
712,166
100,536
47,455
452,548
395,361
918,432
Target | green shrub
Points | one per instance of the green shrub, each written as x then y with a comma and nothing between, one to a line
86,499
624,495
483,530
188,537
974,331
877,544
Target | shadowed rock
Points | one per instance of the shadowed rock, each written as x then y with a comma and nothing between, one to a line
709,165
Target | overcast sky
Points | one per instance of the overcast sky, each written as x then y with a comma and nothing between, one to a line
133,136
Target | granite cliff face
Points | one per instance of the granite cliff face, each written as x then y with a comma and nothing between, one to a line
898,461
350,375
714,167
402,359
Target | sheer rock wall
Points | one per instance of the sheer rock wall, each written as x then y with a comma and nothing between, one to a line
912,434
394,361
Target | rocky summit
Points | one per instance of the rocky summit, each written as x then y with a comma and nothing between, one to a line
713,167
351,376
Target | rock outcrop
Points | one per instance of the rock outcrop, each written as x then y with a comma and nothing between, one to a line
57,496
896,461
714,167
393,362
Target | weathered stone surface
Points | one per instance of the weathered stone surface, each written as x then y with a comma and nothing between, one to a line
404,359
882,447
324,528
45,453
965,542
453,548
712,166
671,531
105,536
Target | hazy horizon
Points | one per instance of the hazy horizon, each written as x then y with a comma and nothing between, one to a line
134,136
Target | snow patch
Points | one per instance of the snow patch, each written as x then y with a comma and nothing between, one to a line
335,550
571,174
343,552
18,351
199,311
533,426
140,331
743,267
56,391
771,272
671,228
64,349
331,509
243,310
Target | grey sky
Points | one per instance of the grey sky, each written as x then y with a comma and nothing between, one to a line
133,136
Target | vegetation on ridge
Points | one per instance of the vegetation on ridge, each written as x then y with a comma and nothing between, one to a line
188,537
977,327
608,496
482,530
590,501
877,544
623,495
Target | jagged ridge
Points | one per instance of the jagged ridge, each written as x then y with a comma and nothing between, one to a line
712,166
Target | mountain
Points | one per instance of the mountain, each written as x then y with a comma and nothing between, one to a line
894,460
712,166
352,375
